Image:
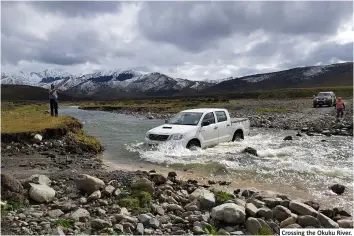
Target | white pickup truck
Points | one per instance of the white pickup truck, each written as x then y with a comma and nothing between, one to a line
204,127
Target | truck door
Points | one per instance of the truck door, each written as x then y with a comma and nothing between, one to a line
224,126
209,133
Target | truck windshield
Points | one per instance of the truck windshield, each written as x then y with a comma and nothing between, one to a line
186,118
324,94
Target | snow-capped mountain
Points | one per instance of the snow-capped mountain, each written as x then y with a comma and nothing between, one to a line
340,74
109,84
98,82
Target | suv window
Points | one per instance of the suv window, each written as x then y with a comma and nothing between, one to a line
209,117
221,115
324,94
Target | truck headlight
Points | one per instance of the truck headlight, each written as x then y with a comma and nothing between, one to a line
176,136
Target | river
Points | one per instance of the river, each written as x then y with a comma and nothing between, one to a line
304,167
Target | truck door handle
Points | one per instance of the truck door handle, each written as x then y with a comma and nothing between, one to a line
228,124
215,127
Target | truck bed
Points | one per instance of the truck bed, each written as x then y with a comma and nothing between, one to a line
238,120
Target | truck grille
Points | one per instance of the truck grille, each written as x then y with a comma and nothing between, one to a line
158,137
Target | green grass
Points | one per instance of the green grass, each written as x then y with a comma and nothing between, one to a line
86,141
32,118
343,91
161,106
67,223
209,229
265,231
109,231
271,109
221,196
138,202
12,205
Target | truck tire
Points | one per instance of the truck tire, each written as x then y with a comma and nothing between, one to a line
193,145
314,105
237,136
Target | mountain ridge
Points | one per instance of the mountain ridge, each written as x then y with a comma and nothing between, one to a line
115,82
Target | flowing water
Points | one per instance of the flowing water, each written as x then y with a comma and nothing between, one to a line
306,165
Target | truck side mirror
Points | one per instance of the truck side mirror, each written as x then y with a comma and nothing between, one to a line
205,123
166,121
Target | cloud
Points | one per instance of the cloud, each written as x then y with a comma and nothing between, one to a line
193,40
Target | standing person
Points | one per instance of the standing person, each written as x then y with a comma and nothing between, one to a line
340,107
53,100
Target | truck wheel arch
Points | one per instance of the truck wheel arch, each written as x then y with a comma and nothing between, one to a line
193,142
238,135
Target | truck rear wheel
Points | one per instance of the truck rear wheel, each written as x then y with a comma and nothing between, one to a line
237,136
193,145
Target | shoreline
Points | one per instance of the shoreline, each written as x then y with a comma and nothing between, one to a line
298,115
174,195
182,202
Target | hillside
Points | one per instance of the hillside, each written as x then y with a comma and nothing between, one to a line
116,84
301,77
25,92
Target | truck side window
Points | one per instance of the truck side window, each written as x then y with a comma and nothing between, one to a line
209,117
221,115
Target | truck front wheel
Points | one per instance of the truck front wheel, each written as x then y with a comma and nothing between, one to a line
193,145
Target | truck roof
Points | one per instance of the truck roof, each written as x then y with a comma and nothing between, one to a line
203,110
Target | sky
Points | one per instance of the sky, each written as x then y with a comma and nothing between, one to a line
190,40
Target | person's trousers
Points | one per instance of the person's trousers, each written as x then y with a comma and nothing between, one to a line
340,112
53,107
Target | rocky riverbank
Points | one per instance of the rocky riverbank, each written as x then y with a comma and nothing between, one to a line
151,204
296,114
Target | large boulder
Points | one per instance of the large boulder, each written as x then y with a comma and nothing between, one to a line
100,224
345,223
37,138
306,221
89,184
253,225
229,213
11,188
327,222
281,213
80,214
205,197
289,221
338,189
36,179
41,193
250,151
158,179
302,208
143,184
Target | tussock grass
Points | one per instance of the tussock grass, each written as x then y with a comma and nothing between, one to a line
66,223
25,120
160,106
86,142
31,118
222,196
343,91
137,201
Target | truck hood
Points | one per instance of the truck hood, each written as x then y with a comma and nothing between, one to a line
168,129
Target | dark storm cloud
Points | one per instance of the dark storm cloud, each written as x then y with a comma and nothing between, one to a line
77,8
196,26
192,40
